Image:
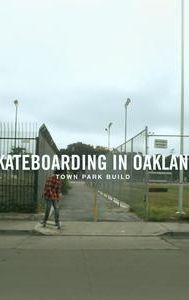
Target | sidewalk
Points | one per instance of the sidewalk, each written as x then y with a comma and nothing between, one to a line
135,229
77,217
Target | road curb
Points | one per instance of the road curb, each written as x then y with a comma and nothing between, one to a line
21,217
115,200
35,232
35,228
176,234
18,232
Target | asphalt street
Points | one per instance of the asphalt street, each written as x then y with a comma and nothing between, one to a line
96,268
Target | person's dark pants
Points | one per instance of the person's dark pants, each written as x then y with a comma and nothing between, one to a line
55,204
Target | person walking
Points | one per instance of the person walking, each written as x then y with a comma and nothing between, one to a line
51,195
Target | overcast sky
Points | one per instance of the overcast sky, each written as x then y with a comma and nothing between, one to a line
73,63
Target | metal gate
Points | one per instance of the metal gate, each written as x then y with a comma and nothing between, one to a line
133,189
18,189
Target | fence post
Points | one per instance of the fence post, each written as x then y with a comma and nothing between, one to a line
146,196
36,175
95,211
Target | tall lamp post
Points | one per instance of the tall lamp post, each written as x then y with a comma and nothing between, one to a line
108,131
126,105
16,120
181,173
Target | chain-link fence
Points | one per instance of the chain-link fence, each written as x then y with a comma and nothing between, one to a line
164,202
152,193
129,186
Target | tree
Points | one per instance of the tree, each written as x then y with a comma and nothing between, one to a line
17,151
80,149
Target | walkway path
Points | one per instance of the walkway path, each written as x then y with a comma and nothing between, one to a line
77,205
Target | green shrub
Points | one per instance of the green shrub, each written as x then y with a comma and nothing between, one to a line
65,187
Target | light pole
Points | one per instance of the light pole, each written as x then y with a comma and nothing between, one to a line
126,105
108,131
181,173
16,119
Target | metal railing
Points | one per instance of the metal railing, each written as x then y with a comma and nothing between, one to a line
18,188
21,191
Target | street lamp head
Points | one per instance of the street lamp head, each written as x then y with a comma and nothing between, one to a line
110,124
16,102
127,102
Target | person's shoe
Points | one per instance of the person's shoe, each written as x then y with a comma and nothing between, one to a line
42,222
58,225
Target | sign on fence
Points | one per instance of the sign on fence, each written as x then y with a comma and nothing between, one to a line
160,144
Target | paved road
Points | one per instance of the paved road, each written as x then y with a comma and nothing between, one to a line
93,268
78,206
